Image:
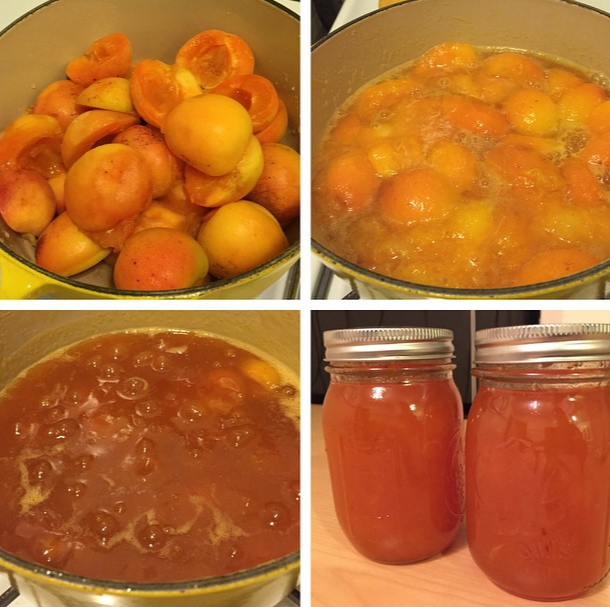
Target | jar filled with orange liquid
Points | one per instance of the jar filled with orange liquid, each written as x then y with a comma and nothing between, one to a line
538,459
392,422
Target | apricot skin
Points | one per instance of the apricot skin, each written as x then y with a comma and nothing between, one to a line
63,249
210,132
210,191
278,188
164,166
106,185
159,259
27,202
240,236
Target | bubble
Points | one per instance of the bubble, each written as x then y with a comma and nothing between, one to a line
152,537
109,372
143,359
148,408
239,437
76,489
191,412
94,362
276,515
289,390
102,525
145,446
59,431
120,507
83,462
145,462
294,490
133,388
56,413
161,364
40,470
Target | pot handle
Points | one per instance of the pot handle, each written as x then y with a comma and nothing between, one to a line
8,596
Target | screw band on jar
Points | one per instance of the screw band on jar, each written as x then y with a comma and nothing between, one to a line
388,343
547,343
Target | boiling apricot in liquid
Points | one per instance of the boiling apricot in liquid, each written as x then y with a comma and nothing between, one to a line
150,457
463,168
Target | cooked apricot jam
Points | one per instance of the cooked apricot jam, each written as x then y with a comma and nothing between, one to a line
150,456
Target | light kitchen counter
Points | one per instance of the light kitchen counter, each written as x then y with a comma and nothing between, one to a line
342,577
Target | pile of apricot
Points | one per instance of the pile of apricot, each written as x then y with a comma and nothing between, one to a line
471,168
175,174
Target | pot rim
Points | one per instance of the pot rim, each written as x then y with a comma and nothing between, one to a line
283,259
542,289
241,578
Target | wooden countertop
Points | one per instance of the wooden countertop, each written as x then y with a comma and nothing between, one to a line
340,577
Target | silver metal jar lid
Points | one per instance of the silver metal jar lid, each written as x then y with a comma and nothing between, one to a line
387,343
563,342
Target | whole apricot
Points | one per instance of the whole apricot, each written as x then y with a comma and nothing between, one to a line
240,236
278,187
210,132
159,259
106,185
62,248
27,202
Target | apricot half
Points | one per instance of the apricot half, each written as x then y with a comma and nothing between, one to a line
106,185
164,166
210,132
108,94
160,259
210,191
62,248
278,188
240,236
27,202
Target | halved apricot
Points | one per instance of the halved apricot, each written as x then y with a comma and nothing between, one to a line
240,236
165,168
32,142
351,181
274,132
27,203
474,116
108,94
256,93
156,88
209,191
210,132
214,55
577,103
532,112
108,56
519,68
415,196
582,185
62,248
59,99
446,58
90,128
160,259
554,264
105,185
278,188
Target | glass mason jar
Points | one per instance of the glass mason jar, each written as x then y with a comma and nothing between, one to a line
538,459
392,421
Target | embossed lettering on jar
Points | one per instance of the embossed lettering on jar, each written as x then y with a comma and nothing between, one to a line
538,459
392,423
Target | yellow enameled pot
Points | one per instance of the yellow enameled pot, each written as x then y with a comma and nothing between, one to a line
368,47
35,50
27,336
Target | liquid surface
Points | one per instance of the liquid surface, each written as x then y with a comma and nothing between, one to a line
150,457
469,168
538,490
394,454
